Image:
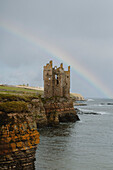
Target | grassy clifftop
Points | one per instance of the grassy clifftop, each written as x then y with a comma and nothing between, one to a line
18,90
31,90
13,99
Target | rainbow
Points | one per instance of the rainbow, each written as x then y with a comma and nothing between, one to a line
59,54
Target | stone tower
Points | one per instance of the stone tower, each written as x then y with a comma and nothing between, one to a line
56,81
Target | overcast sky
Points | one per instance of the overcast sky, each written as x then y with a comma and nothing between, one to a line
34,32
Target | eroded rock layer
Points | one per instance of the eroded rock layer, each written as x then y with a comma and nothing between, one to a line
19,118
61,110
19,139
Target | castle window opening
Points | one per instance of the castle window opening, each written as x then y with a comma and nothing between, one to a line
56,77
55,67
57,80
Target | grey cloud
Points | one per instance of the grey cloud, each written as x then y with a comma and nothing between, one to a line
81,28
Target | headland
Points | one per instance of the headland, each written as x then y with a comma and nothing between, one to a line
23,110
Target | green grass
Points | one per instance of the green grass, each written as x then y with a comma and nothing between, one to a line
13,107
11,89
15,99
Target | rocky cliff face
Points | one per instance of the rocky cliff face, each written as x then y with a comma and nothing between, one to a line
50,112
18,133
37,110
60,110
19,139
19,118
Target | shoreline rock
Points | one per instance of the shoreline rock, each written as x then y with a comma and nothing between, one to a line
20,116
44,111
60,110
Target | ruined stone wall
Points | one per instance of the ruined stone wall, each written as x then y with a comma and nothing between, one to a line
67,83
56,81
48,80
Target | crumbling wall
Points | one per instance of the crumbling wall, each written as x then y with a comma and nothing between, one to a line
48,80
56,81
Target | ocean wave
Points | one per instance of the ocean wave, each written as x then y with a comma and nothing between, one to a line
105,104
91,112
90,100
98,104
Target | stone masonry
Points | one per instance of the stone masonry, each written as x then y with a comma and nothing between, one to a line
58,104
56,81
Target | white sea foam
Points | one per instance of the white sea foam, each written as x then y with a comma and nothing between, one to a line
97,105
100,104
90,100
87,111
103,104
103,113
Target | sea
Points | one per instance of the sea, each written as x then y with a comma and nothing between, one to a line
84,145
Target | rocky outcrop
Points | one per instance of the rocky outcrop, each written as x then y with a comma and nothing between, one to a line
19,118
18,141
30,104
77,97
60,110
37,110
68,117
44,111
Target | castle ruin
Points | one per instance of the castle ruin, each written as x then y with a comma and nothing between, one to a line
56,81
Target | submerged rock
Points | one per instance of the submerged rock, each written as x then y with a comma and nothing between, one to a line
109,103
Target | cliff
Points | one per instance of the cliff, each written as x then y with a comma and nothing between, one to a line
77,97
18,132
44,112
20,115
24,103
60,110
18,138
